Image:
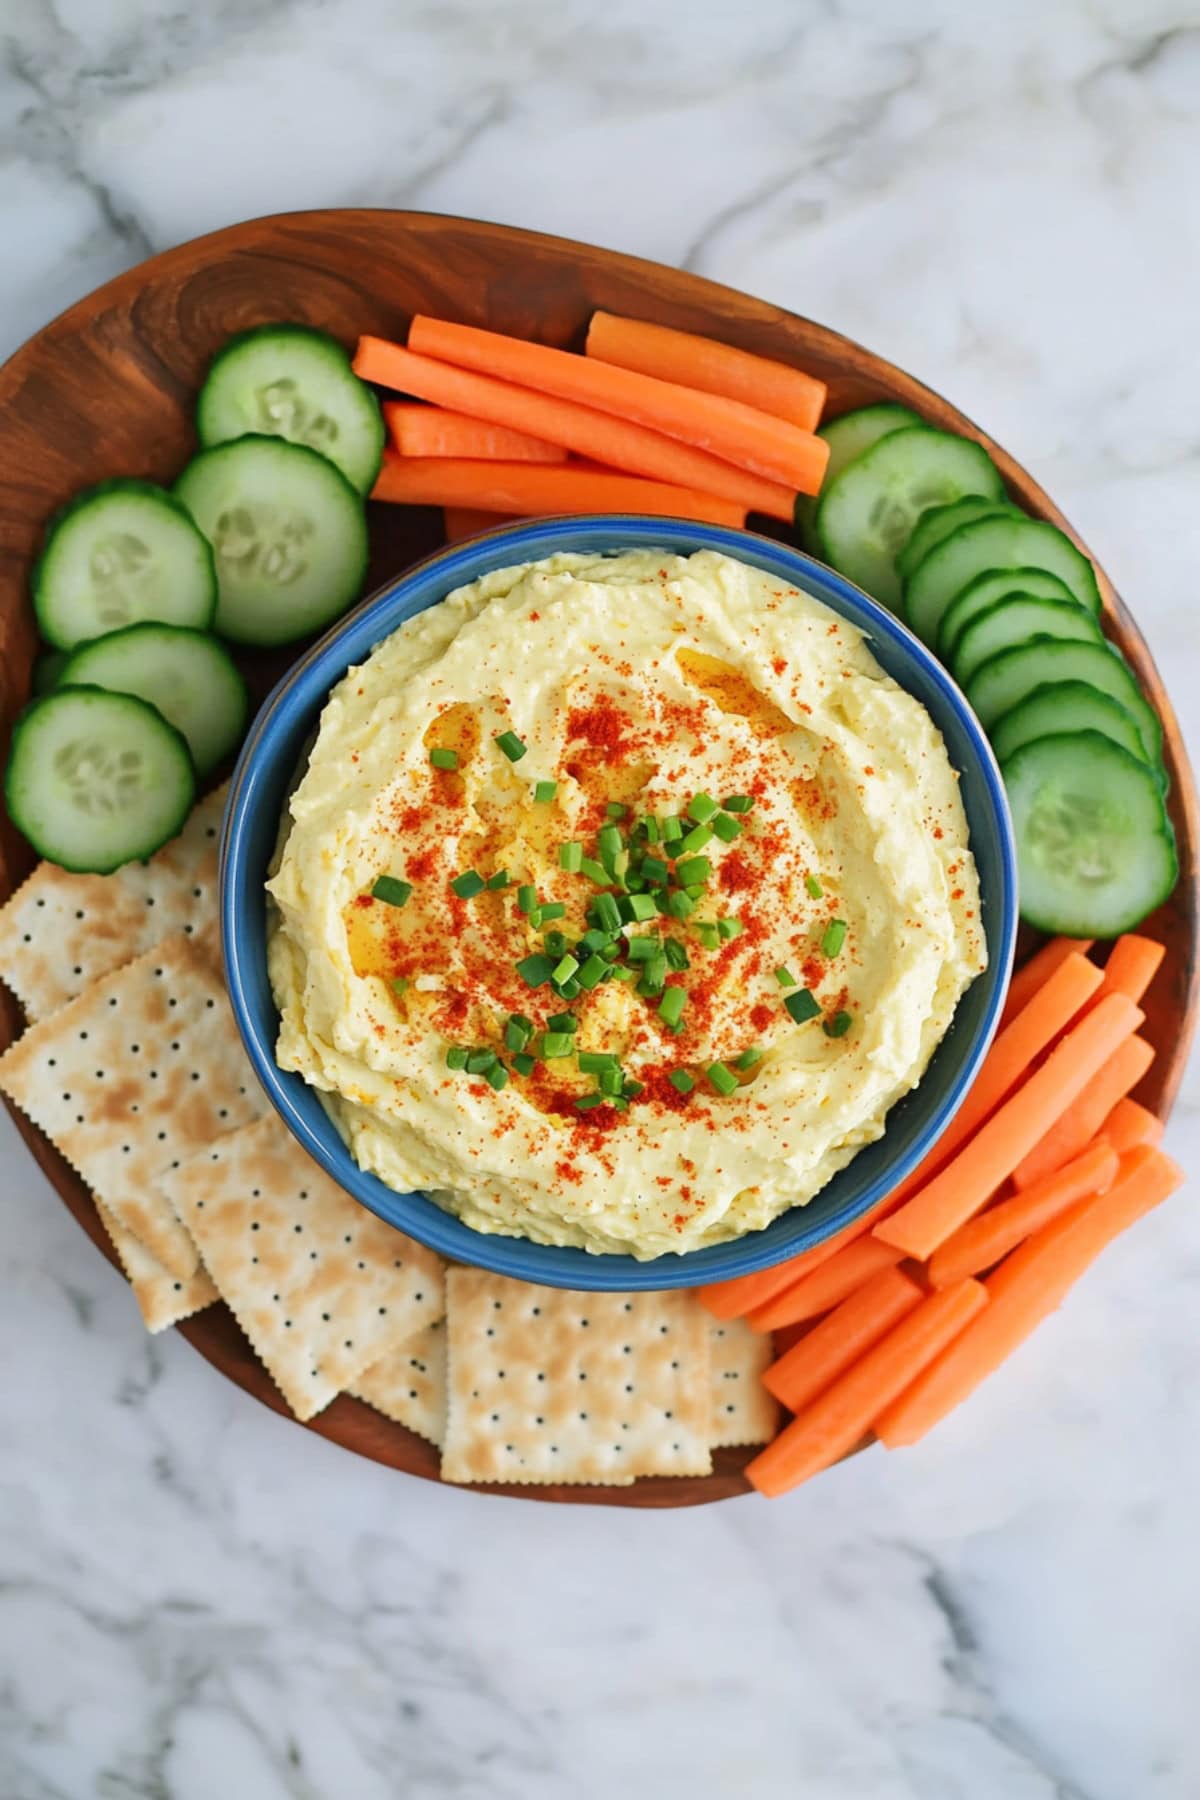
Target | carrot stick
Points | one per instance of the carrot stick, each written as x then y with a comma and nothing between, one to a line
533,490
700,362
737,433
1034,974
1085,1116
982,1241
614,442
734,1298
817,1292
844,1335
461,522
1129,1124
967,1182
1050,1010
1132,965
418,430
839,1417
1028,1285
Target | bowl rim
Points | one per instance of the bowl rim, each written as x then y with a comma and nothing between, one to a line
308,682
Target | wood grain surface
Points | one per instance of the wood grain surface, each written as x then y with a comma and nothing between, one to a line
107,389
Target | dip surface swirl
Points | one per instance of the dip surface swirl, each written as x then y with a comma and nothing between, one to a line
656,684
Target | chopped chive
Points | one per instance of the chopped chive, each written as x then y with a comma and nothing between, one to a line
619,1103
671,828
553,909
554,944
535,969
593,972
501,879
784,976
680,905
726,827
480,1061
615,810
456,1056
524,1064
399,984
723,1079
696,839
444,759
702,808
594,939
621,972
643,949
563,970
510,743
803,1006
738,803
653,869
609,840
677,956
569,990
654,976
468,885
679,1078
517,1031
839,1025
729,928
637,908
749,1058
595,871
708,934
695,891
833,938
607,913
620,865
610,1082
391,891
815,890
526,898
587,1101
592,1061
557,1043
631,1088
570,858
670,1007
544,790
497,1076
634,884
693,869
563,1022
650,826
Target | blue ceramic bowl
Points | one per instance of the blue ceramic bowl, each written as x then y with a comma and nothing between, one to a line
268,768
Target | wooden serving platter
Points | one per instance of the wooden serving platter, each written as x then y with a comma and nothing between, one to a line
107,388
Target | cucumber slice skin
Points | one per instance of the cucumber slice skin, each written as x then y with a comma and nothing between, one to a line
867,514
67,616
996,543
38,798
1003,681
848,436
985,590
1123,862
189,676
254,386
1067,706
941,522
1010,623
46,671
279,603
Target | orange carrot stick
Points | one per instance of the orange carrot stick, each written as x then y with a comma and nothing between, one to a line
1028,1285
737,433
982,1241
815,1293
1129,1124
460,522
1085,1116
700,362
1017,1047
1034,974
968,1181
535,491
614,442
845,1334
1132,964
843,1414
734,1298
419,430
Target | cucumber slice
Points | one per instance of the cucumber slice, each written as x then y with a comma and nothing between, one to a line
1095,848
867,514
292,382
985,590
289,533
96,780
47,669
187,675
941,522
1066,706
998,543
847,438
1020,620
1005,680
118,553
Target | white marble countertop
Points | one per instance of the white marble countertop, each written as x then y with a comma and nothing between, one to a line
198,1598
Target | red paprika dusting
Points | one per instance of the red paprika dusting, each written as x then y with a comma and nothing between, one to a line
361,900
567,1171
762,1016
423,865
736,872
602,725
779,664
812,971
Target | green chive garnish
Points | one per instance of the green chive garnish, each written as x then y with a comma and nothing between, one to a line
468,885
595,939
554,944
557,1043
644,949
723,1079
738,803
607,913
400,984
610,1081
526,898
609,842
499,880
671,828
594,871
536,969
586,1102
619,1103
748,1058
615,810
833,938
679,1078
670,1007
391,891
803,1006
702,808
569,990
592,1061
677,956
553,909
456,1056
480,1061
784,976
444,759
708,934
653,869
680,905
570,857
654,975
544,790
524,1064
593,972
726,827
517,1031
693,870
510,743
815,890
729,928
632,1089
563,971
839,1025
563,1022
696,839
620,972
497,1076
635,909
650,826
